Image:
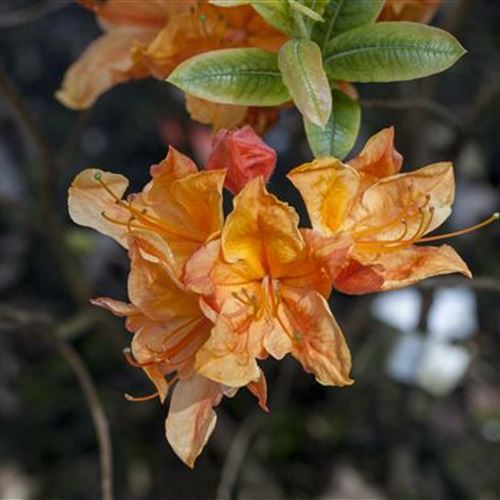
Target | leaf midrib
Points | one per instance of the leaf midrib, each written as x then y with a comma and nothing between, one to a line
306,80
240,74
371,48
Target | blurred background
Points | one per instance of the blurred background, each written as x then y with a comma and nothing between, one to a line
422,420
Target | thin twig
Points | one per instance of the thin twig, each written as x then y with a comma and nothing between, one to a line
77,365
486,95
429,105
237,453
10,317
243,436
32,13
54,234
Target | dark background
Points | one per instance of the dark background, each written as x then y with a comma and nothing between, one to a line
390,435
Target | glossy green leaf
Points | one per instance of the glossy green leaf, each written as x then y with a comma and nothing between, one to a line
301,66
338,136
344,15
248,77
278,14
391,51
282,15
306,11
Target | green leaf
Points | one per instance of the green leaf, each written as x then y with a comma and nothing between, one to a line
302,69
306,11
340,133
344,15
281,14
278,14
392,51
249,77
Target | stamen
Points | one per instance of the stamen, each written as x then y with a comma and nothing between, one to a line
185,341
133,362
141,215
407,211
113,221
98,178
494,217
140,399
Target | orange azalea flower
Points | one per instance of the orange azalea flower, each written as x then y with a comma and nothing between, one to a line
385,214
162,226
150,38
244,155
266,289
169,327
167,215
419,11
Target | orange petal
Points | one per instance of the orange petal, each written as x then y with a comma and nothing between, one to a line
220,116
276,341
191,418
259,390
329,190
330,251
229,354
152,290
244,155
379,158
401,203
158,379
357,279
263,232
88,201
318,342
175,194
151,14
413,264
117,307
419,11
137,322
198,270
106,62
174,166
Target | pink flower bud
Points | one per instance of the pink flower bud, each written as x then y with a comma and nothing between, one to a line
244,155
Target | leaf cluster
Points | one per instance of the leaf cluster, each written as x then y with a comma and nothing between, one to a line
331,41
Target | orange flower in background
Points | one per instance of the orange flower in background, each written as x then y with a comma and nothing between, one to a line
267,291
174,214
419,11
244,155
150,38
229,116
385,214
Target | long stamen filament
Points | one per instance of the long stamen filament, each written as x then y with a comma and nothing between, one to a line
485,222
133,362
140,399
407,212
140,216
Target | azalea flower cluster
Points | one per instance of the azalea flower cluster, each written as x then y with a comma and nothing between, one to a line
211,298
